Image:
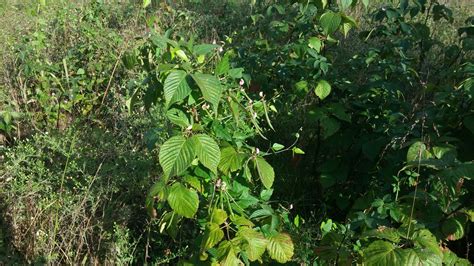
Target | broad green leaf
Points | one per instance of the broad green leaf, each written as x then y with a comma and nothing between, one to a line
178,117
210,87
419,256
280,247
176,88
330,22
231,160
417,151
207,151
183,201
255,243
212,235
315,43
265,171
218,216
424,239
323,89
453,228
450,258
176,155
384,253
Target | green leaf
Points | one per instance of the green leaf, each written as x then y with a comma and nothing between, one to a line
265,171
231,160
183,201
176,88
280,247
315,43
347,24
223,66
424,239
330,22
277,146
146,3
453,228
210,87
388,233
227,254
384,253
323,89
345,3
297,150
207,151
236,73
178,117
255,243
181,54
204,49
212,235
218,216
176,155
417,151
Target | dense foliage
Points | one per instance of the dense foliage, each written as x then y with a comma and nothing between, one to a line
311,132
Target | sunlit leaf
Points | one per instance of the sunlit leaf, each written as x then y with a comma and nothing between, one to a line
176,155
265,171
280,247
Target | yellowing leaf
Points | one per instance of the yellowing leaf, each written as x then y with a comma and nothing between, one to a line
265,171
280,247
323,89
212,235
255,243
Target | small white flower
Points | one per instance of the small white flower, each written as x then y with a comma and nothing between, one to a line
261,94
220,49
291,206
241,82
257,150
